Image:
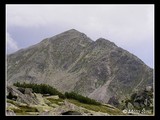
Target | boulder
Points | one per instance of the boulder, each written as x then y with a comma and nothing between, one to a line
53,105
10,113
20,97
130,106
40,99
41,108
148,88
28,91
53,97
28,99
21,89
48,113
13,92
60,103
33,113
16,103
136,104
71,109
12,96
113,101
12,107
46,101
71,113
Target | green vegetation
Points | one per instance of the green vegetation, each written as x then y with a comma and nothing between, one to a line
56,101
12,102
40,88
22,109
81,98
98,108
46,89
74,98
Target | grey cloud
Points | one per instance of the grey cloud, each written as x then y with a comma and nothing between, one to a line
11,44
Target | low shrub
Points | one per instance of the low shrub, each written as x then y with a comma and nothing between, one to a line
40,88
81,98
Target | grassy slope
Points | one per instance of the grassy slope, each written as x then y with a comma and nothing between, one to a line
101,108
25,110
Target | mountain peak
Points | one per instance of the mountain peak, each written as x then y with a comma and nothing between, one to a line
71,34
72,31
105,42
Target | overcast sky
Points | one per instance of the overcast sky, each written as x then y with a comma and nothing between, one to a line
128,26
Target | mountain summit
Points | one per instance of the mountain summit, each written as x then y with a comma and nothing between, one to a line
71,61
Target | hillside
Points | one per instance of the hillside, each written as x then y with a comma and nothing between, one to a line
71,61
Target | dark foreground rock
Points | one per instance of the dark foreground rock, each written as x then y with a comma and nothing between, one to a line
15,94
71,113
10,113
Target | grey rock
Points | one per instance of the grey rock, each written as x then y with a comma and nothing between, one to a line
130,106
149,88
11,106
28,91
136,104
10,113
22,90
113,101
53,97
71,113
20,97
71,109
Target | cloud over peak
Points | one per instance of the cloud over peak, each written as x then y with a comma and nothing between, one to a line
11,44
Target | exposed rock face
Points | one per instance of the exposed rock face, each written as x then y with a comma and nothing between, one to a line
71,61
10,113
53,97
113,101
140,102
52,105
20,97
28,91
71,109
71,113
11,106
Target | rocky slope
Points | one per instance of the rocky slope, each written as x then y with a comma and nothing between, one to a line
30,103
71,61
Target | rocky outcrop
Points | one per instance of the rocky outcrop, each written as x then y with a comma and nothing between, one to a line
53,97
113,101
70,109
28,91
10,113
11,106
71,61
71,113
15,94
49,105
141,101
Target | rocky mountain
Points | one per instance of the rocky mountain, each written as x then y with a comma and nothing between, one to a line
71,61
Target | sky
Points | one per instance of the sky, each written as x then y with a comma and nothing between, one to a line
130,27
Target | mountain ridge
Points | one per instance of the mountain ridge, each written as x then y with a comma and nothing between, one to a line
71,61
